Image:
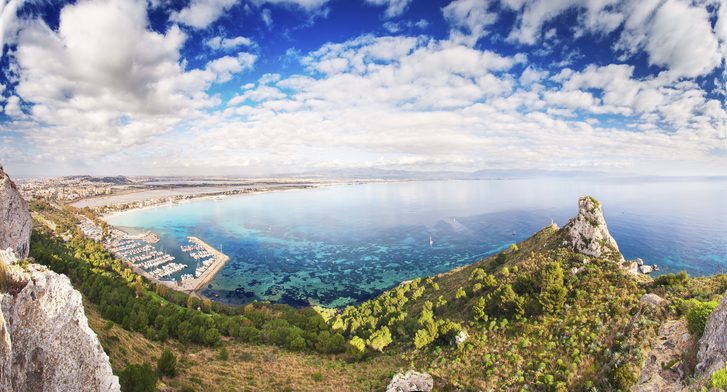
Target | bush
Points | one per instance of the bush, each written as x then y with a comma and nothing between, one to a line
697,316
356,347
461,293
223,355
380,339
623,378
167,364
138,378
678,279
719,378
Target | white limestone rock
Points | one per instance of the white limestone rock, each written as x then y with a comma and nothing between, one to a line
652,300
461,337
588,234
14,218
712,353
411,381
46,342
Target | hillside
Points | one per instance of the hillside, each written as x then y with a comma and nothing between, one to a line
561,310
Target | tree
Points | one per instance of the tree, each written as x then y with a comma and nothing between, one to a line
380,339
356,347
552,291
505,302
478,310
422,338
138,378
167,364
211,337
460,293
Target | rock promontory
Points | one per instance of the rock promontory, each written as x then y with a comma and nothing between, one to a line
588,234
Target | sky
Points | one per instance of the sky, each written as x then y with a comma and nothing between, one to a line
269,87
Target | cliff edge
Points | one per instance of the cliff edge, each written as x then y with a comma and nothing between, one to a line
712,353
45,341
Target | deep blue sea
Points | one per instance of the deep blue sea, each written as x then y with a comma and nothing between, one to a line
343,244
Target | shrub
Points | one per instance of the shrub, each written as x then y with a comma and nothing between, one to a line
623,378
138,378
423,338
719,378
167,364
356,347
461,293
698,315
317,377
223,355
671,279
552,291
380,339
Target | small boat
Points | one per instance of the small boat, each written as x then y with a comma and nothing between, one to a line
431,242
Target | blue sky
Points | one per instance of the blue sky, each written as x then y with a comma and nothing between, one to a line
265,87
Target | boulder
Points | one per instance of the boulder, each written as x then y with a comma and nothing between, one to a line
461,337
646,269
588,234
662,370
14,218
712,353
652,300
411,381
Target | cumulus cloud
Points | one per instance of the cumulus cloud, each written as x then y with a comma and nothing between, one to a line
103,81
228,43
675,34
201,13
393,7
8,21
469,19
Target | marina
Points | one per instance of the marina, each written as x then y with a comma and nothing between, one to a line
157,264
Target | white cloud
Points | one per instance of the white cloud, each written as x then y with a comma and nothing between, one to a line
88,100
8,21
12,107
228,43
469,19
308,5
201,13
393,7
675,35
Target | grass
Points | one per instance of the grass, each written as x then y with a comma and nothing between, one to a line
248,367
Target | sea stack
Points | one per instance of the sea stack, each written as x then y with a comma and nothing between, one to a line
588,234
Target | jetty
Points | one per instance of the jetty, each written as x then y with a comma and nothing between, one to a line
213,262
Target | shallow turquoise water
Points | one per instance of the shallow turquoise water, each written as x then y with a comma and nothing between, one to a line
343,244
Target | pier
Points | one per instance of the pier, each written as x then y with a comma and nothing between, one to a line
212,262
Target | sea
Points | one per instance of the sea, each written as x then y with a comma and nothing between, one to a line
340,245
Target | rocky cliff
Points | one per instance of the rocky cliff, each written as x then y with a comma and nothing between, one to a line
588,234
14,218
712,353
45,341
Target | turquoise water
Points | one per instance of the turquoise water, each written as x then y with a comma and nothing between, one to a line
343,244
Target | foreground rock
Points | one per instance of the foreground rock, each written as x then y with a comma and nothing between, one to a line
14,218
411,381
712,353
662,369
45,341
588,234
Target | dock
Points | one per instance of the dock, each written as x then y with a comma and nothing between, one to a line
194,283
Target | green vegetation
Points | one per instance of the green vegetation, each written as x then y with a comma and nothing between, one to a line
697,314
138,378
537,316
167,364
719,378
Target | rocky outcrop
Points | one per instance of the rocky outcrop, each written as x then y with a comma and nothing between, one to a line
662,370
14,218
712,353
45,341
411,381
588,234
